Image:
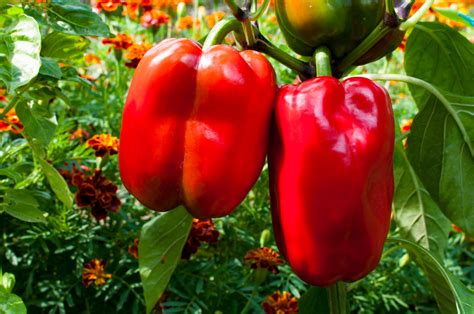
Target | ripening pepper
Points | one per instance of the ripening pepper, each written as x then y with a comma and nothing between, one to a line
195,127
331,177
341,25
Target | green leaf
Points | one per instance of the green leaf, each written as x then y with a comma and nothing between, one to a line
20,44
315,300
76,19
50,67
451,295
441,141
64,46
7,282
57,182
11,303
416,214
455,16
161,242
22,205
38,121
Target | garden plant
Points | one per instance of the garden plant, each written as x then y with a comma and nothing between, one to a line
304,156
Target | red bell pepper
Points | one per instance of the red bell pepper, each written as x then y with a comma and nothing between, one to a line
195,127
331,177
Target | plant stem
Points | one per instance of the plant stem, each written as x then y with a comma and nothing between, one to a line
337,299
303,69
322,58
410,23
249,33
235,9
221,30
389,7
260,11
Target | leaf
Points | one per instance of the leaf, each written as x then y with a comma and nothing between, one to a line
416,214
7,282
441,141
11,303
451,295
315,300
49,67
20,44
57,183
159,250
22,205
64,46
76,19
38,121
455,16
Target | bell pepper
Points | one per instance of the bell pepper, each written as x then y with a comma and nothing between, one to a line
195,127
331,177
339,25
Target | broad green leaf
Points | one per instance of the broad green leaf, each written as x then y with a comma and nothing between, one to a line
161,242
76,19
416,214
57,183
11,303
50,67
456,16
64,46
451,295
315,300
441,141
38,121
22,205
20,44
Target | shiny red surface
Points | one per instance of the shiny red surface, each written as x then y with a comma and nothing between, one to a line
331,177
195,127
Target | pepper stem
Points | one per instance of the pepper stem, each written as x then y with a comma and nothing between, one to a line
337,299
322,57
411,22
221,30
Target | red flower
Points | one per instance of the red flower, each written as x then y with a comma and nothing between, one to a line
201,231
264,258
280,303
94,272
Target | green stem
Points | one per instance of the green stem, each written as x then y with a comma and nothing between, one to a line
16,99
235,9
322,57
337,299
410,23
260,11
221,30
374,37
303,69
249,33
389,7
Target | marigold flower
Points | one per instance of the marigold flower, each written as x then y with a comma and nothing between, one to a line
94,272
460,6
264,258
107,5
281,303
120,41
91,58
135,53
104,144
154,18
213,18
133,248
96,192
2,95
201,231
187,22
11,122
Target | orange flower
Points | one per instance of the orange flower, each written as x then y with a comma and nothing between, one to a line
154,18
135,53
104,144
91,58
406,125
96,192
133,248
280,303
264,258
120,41
94,272
2,95
107,5
213,18
131,9
201,231
79,134
11,122
460,6
186,22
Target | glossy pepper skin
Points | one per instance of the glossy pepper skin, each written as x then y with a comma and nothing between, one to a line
338,24
195,127
331,177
